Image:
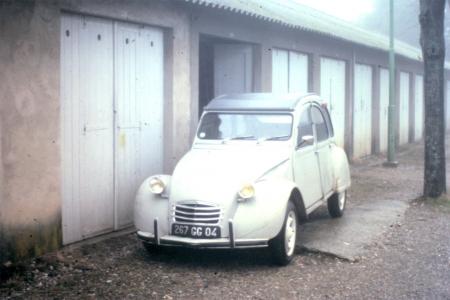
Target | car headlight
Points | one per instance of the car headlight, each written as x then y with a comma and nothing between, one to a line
247,192
157,186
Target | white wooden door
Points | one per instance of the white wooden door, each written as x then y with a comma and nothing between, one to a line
362,113
87,126
280,71
332,89
139,90
150,88
112,108
289,71
233,69
418,108
298,72
404,108
384,108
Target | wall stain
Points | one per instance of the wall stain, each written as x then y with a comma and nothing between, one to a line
22,241
122,140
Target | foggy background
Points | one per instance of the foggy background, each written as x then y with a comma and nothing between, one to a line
373,15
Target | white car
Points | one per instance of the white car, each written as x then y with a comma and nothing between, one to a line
259,164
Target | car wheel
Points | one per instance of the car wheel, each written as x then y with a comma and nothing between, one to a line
151,248
336,204
283,245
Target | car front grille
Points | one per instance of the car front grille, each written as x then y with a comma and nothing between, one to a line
197,213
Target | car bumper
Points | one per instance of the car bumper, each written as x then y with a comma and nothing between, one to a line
222,243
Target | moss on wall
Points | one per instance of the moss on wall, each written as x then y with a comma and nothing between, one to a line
18,242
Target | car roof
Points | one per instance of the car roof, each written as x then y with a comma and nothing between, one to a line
259,102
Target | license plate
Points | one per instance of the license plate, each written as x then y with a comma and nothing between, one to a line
196,231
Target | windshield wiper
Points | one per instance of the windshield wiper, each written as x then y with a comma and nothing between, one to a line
276,138
246,137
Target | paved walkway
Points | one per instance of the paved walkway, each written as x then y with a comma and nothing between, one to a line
349,237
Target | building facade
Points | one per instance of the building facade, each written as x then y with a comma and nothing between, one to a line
97,95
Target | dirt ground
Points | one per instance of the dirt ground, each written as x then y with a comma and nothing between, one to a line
410,261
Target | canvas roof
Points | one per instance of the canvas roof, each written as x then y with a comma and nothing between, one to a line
258,102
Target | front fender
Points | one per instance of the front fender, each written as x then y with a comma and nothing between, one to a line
263,216
149,206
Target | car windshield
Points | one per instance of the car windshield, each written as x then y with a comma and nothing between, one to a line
245,126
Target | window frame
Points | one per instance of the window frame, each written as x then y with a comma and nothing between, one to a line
258,113
307,108
327,116
328,136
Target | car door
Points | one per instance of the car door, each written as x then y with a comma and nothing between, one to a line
306,165
323,148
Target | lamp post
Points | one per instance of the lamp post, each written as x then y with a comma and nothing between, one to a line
391,155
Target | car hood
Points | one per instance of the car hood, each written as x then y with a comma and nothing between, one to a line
215,175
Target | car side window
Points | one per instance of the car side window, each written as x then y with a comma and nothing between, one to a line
319,122
326,114
304,126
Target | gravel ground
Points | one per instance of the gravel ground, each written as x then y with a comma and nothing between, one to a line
411,261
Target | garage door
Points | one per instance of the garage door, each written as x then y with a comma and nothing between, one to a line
404,108
139,106
289,72
111,99
280,71
87,129
332,89
362,117
233,69
384,108
418,108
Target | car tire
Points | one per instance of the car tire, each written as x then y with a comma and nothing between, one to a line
151,248
282,247
336,204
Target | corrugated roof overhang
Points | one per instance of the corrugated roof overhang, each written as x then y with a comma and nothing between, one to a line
292,14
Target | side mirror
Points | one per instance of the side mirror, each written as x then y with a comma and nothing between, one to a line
306,140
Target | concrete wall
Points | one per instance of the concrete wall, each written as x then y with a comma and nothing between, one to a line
30,172
29,116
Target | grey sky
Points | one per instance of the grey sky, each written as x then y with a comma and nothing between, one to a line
374,15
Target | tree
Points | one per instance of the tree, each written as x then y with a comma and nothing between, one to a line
433,50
